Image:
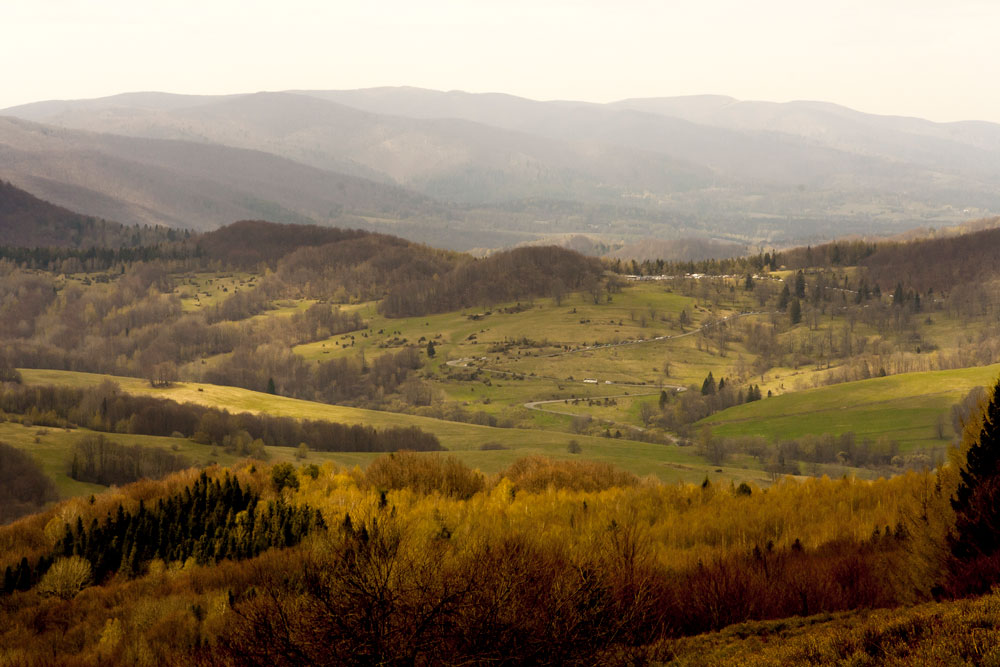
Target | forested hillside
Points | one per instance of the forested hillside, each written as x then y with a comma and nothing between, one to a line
514,275
27,221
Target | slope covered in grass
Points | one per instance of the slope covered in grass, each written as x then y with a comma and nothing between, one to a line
905,408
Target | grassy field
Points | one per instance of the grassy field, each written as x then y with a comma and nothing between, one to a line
905,408
666,462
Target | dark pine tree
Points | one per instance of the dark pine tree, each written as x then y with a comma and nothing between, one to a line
784,298
795,312
974,543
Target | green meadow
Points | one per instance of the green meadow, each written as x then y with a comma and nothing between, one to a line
906,408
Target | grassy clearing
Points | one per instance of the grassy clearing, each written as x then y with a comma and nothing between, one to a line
637,312
905,408
623,408
197,291
667,462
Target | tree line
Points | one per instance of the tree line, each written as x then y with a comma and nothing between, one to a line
108,409
98,460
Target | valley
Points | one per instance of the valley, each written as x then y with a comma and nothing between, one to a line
759,438
475,334
620,370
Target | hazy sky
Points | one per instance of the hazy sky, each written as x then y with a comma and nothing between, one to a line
927,58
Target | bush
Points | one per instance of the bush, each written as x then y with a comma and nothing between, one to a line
492,446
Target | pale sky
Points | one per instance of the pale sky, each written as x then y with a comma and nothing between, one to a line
928,58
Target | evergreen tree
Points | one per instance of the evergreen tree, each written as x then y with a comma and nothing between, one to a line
430,349
708,386
800,285
270,386
795,312
974,542
683,319
784,298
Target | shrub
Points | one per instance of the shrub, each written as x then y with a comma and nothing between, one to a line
491,446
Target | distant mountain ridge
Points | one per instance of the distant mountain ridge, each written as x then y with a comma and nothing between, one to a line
182,183
466,170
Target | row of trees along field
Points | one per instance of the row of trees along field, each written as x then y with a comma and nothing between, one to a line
108,409
421,560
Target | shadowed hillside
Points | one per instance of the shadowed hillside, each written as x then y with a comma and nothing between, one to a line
29,222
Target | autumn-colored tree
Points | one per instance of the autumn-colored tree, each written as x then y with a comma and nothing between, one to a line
66,577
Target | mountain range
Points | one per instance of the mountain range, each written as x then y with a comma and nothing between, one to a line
465,170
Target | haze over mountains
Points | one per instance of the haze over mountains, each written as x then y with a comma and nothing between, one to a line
485,170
